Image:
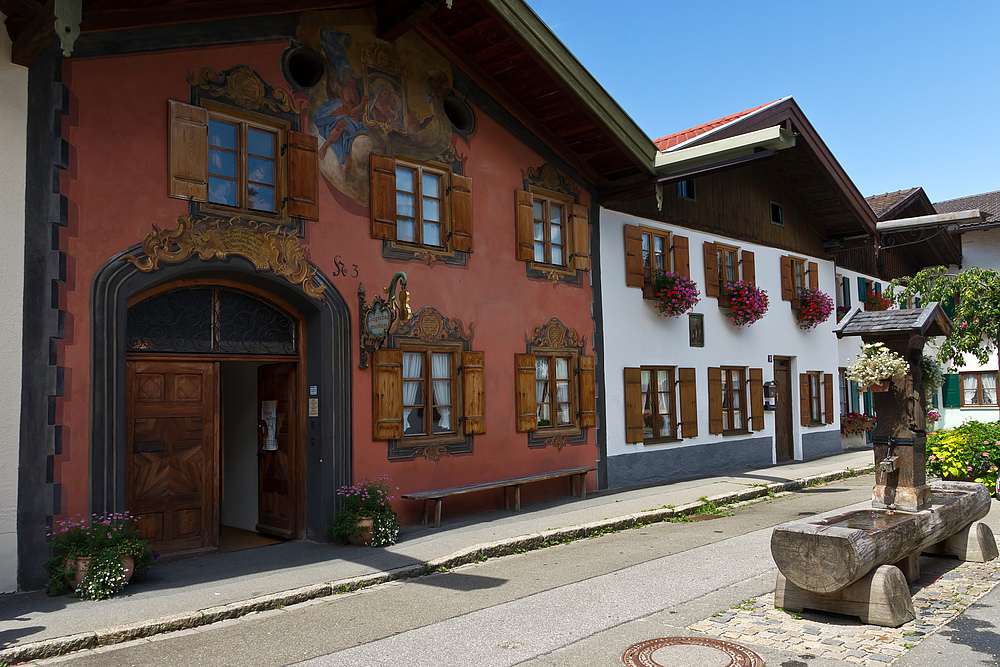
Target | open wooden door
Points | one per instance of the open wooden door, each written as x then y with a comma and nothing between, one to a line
171,445
277,443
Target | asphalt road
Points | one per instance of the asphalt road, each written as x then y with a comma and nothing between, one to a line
580,603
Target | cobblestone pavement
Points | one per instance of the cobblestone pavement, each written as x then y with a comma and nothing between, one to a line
946,587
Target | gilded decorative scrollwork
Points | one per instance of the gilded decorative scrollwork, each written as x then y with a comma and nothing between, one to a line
555,335
217,238
244,87
557,441
548,177
428,325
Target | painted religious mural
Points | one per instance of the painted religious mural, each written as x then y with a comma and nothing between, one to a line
376,97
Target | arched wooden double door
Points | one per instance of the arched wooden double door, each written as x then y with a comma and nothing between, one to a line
176,421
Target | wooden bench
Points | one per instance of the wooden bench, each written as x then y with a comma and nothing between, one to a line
514,483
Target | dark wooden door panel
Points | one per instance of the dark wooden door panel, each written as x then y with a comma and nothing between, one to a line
171,453
783,413
275,467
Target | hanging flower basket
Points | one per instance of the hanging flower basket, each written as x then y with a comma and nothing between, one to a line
747,303
875,365
814,308
880,387
673,293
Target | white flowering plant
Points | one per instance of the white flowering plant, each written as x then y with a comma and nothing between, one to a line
875,364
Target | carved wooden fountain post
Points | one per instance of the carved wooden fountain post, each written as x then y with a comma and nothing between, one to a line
900,437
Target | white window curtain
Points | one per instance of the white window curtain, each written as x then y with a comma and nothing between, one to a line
989,388
970,387
441,372
413,369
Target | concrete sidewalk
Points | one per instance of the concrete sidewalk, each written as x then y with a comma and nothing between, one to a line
196,592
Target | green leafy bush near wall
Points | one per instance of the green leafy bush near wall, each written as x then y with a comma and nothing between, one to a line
970,451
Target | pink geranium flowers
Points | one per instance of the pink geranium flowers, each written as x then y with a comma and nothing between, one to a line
748,303
675,294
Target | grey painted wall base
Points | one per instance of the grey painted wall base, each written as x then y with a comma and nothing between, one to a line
658,465
824,443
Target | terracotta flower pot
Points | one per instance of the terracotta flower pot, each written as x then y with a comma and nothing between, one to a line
881,386
362,537
80,565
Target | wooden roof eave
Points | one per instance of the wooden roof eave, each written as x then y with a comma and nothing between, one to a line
550,53
788,111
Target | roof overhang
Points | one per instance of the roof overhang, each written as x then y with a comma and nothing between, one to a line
684,159
930,320
970,216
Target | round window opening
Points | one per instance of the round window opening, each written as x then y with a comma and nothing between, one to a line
302,67
459,113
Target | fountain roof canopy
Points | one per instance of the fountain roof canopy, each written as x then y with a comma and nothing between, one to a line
895,323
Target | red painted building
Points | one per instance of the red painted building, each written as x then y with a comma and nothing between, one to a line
208,196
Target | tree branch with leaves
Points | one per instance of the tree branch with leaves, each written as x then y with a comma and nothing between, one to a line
977,309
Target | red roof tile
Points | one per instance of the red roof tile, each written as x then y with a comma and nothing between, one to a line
671,140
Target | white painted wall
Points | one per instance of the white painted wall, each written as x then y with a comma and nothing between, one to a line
635,335
13,126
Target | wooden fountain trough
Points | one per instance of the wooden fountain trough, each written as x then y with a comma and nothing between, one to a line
860,563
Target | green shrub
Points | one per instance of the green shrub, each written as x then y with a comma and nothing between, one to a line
971,450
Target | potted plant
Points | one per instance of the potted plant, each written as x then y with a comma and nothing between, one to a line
366,515
673,293
96,556
747,303
814,308
875,366
933,416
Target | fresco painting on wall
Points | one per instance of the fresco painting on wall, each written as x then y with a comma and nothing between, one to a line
377,97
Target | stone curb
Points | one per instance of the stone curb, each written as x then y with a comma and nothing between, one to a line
50,648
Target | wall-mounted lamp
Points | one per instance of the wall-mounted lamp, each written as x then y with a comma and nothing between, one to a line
771,395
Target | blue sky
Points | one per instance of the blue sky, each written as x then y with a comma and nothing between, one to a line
903,93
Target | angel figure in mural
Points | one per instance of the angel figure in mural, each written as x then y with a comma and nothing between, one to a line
338,120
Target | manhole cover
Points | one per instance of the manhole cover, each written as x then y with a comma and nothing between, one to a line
690,651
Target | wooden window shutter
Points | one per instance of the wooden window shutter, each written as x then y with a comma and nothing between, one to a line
474,392
878,288
862,289
747,269
580,259
383,197
188,151
633,405
689,403
588,391
461,213
756,399
303,179
715,400
787,284
634,274
847,292
525,223
804,414
828,398
387,395
813,271
952,391
681,259
711,252
524,393
855,397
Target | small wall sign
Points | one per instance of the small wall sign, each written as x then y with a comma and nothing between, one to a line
378,318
